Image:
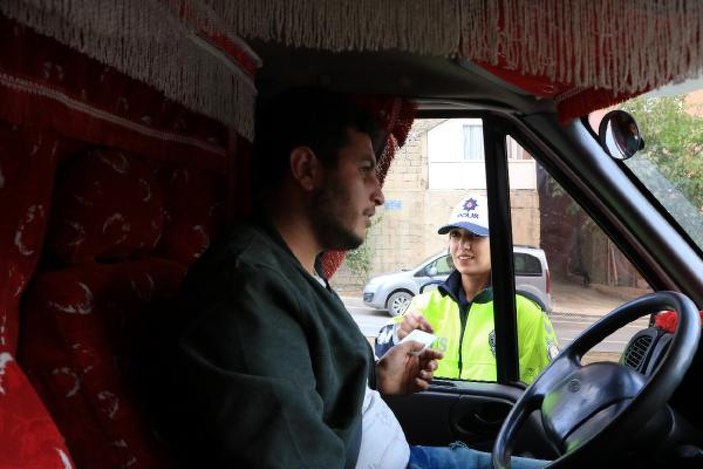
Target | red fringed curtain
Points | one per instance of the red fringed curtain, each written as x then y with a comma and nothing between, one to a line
585,55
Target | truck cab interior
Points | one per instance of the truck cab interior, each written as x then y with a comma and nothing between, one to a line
126,134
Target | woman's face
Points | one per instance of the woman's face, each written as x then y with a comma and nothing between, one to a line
471,254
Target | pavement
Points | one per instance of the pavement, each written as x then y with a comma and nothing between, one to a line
594,300
575,307
567,298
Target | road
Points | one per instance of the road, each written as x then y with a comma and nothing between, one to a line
575,310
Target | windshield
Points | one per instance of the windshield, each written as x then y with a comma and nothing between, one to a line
671,164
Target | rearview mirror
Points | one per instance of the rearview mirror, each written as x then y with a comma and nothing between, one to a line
619,135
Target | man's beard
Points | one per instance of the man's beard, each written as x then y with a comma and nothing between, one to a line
330,210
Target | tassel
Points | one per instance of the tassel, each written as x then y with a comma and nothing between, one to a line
625,46
162,43
621,45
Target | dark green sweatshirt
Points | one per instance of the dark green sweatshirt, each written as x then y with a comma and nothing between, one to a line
266,368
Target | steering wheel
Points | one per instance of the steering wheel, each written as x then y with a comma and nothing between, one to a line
589,410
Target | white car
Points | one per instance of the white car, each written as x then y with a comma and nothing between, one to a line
394,291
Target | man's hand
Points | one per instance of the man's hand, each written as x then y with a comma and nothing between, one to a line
406,368
413,320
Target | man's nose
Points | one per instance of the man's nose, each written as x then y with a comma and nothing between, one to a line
377,195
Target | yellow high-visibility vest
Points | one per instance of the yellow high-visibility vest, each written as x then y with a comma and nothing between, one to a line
469,353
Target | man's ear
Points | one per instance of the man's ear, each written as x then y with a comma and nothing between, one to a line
305,167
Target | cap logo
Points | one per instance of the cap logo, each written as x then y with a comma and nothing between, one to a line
470,214
469,209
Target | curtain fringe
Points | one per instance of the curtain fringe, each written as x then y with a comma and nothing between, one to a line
626,46
159,42
619,45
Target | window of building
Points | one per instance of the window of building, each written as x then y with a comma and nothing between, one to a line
473,142
456,155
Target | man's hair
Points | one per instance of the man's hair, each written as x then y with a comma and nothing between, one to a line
303,116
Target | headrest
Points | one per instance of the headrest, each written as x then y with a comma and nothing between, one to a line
107,205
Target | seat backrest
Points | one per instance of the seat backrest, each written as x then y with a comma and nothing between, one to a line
108,191
122,232
28,435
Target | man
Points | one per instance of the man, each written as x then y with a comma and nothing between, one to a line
268,369
460,311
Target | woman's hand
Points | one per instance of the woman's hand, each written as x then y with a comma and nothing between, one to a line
406,368
413,320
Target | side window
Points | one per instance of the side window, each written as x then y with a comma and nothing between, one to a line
561,257
527,265
445,266
440,168
430,269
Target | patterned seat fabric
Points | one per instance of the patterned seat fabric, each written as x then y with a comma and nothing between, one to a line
28,435
109,190
122,233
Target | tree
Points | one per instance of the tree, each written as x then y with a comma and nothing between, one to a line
674,141
360,260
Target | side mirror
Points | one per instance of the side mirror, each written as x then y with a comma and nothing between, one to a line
431,271
619,135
